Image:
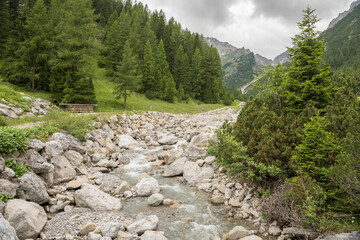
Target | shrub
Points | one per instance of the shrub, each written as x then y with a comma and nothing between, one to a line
4,197
2,122
19,169
12,139
42,132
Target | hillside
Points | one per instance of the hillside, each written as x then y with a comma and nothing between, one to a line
239,65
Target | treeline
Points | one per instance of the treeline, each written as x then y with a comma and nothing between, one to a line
299,139
49,45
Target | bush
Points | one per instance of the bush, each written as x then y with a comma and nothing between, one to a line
4,197
19,169
12,139
77,125
2,122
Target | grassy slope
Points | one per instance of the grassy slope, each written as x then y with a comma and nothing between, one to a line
106,100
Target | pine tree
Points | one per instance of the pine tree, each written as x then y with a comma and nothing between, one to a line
36,48
162,73
196,73
212,76
149,84
309,77
126,77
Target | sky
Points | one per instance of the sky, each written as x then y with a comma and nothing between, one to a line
263,26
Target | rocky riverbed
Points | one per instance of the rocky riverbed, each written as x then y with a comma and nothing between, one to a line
143,176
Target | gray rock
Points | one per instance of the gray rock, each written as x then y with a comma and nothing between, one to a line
217,200
76,145
175,169
63,170
151,235
252,237
17,111
91,197
108,182
7,187
343,236
124,186
2,164
168,140
111,229
201,140
7,173
194,174
37,162
27,218
295,231
7,232
237,233
8,113
147,186
2,207
155,199
36,144
126,141
275,231
108,130
32,188
210,159
94,236
95,158
74,158
52,149
145,224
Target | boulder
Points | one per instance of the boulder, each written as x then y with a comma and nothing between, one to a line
96,157
107,182
217,200
175,169
37,162
147,186
75,184
2,164
111,229
108,130
155,199
194,174
126,141
7,173
87,227
237,233
210,159
91,197
52,149
151,235
32,188
252,237
27,218
168,140
201,140
274,230
7,187
7,232
74,158
63,170
8,113
145,224
36,145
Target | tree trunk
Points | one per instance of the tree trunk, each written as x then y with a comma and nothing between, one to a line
125,101
33,78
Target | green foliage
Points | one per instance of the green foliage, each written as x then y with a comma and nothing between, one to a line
12,139
77,125
2,122
19,169
4,197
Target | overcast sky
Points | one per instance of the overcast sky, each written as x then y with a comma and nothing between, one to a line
263,26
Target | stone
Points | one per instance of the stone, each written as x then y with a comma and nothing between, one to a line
75,184
147,186
27,218
217,200
37,162
128,194
295,231
210,159
95,158
145,224
91,197
7,232
36,144
151,235
234,203
63,170
237,233
155,199
87,227
7,187
228,193
32,188
123,235
275,231
127,142
220,187
7,173
194,174
206,187
252,237
343,236
8,113
111,229
124,186
200,162
175,169
168,202
108,130
2,164
52,149
74,158
201,140
168,140
94,236
107,182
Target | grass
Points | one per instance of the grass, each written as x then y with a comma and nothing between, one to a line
138,102
14,91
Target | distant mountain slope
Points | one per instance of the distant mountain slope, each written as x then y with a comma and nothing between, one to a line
239,64
343,14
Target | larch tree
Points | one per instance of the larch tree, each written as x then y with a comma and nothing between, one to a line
126,77
309,78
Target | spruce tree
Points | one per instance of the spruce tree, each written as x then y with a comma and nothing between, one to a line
126,77
196,73
309,77
5,26
149,84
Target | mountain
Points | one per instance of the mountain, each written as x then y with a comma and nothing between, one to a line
343,14
239,65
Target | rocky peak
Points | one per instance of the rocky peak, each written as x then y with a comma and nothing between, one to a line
223,48
343,14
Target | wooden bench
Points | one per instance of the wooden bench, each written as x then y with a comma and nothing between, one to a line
72,107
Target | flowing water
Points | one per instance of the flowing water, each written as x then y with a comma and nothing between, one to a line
194,219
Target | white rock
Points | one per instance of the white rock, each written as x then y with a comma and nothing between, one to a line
252,237
194,174
237,233
147,186
201,140
210,159
32,188
36,144
63,170
126,141
145,224
168,140
92,197
27,218
111,229
151,235
7,187
37,162
7,232
155,199
52,149
175,169
74,158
